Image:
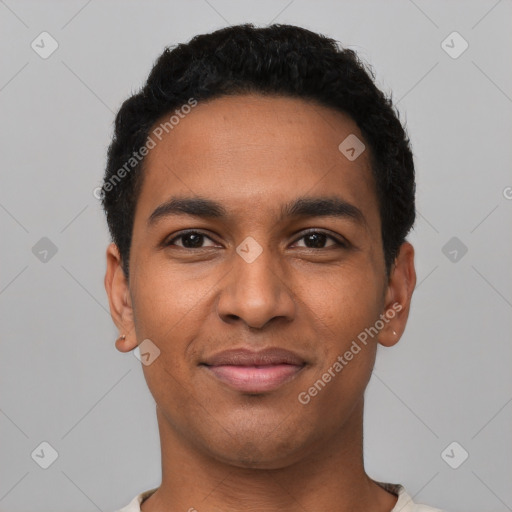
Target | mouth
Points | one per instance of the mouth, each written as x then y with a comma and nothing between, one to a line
254,372
255,379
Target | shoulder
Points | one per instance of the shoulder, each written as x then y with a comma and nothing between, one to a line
405,503
134,505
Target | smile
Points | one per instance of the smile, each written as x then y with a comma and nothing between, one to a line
257,378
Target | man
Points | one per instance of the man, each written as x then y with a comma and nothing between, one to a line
258,191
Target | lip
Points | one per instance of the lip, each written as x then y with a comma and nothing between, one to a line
254,371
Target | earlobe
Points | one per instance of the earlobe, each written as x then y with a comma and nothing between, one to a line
398,296
123,344
116,286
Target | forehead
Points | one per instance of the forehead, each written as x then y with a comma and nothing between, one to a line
255,151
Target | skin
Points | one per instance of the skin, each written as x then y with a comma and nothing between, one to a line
224,450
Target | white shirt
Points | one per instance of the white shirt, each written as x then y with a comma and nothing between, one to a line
404,503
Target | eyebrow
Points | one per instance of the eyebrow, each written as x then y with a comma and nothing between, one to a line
301,207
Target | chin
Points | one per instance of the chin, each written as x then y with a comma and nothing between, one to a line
258,450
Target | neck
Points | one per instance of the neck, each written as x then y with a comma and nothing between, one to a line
330,477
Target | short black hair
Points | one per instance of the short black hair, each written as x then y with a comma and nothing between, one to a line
277,60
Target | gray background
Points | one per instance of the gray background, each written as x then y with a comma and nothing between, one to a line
62,380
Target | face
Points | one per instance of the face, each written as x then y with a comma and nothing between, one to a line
281,249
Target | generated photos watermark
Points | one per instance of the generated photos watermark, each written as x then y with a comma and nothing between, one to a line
304,397
138,156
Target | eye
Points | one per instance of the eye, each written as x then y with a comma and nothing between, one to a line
315,239
190,240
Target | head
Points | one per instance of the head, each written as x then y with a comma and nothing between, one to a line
294,178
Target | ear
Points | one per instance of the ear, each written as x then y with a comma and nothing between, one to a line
397,301
119,299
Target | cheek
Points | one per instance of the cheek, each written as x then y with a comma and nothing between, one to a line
344,302
165,302
344,307
167,311
170,309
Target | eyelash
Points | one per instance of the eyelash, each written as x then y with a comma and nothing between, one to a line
337,241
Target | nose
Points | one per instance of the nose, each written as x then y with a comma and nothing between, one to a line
256,293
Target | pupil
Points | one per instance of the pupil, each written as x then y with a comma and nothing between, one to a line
318,239
196,240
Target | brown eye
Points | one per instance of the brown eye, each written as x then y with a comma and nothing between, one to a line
190,240
318,239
